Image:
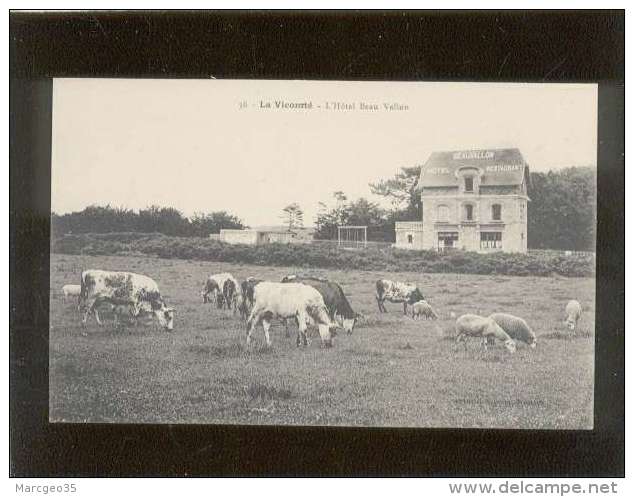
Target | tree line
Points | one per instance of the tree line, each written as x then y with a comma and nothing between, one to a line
153,219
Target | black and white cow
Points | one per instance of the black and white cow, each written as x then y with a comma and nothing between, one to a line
339,309
397,292
247,289
136,292
230,294
289,300
213,289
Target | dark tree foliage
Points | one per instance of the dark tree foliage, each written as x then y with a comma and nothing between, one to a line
357,213
153,219
562,210
205,224
402,193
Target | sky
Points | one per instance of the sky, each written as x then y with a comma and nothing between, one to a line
195,146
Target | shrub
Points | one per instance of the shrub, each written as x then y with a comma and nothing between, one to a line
319,256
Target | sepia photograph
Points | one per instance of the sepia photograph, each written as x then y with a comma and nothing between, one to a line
323,253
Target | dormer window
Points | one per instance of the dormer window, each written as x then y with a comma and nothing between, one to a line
468,184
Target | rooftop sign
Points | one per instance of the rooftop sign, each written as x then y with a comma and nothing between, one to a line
474,154
503,168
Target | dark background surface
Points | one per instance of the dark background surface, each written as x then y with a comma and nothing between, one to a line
427,46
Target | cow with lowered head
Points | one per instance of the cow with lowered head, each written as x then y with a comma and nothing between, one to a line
136,292
397,292
339,308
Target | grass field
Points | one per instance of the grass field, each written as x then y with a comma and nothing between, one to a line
393,371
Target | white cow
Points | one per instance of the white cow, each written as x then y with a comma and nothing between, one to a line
289,300
136,292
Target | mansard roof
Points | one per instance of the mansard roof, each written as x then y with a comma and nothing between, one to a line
496,167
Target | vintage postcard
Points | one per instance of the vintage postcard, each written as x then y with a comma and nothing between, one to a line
377,254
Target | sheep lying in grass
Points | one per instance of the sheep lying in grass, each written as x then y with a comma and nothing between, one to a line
423,309
470,325
573,313
515,327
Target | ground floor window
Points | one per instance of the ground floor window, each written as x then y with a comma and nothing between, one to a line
410,238
447,240
490,239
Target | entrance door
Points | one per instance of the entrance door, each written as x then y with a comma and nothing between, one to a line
447,240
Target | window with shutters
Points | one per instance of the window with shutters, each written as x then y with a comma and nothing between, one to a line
443,214
468,184
490,240
468,212
496,212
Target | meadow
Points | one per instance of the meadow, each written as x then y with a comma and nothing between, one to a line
392,371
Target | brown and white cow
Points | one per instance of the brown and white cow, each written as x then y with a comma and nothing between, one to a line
136,292
397,292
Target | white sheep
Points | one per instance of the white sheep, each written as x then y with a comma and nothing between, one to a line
470,325
423,309
71,291
573,313
515,327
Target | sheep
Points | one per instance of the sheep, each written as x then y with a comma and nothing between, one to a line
573,313
470,325
71,291
515,327
423,309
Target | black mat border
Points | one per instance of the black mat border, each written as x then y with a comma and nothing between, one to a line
536,46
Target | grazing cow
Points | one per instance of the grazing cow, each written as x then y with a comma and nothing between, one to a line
339,308
72,291
397,292
470,325
213,289
230,294
289,300
136,292
246,301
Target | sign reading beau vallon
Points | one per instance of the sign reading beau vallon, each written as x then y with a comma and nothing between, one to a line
486,155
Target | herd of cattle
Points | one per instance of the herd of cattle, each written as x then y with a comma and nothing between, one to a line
301,299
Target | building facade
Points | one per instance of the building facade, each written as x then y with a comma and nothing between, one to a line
409,234
473,200
255,237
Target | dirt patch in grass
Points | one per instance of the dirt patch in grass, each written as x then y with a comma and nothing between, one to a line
219,351
566,335
262,391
